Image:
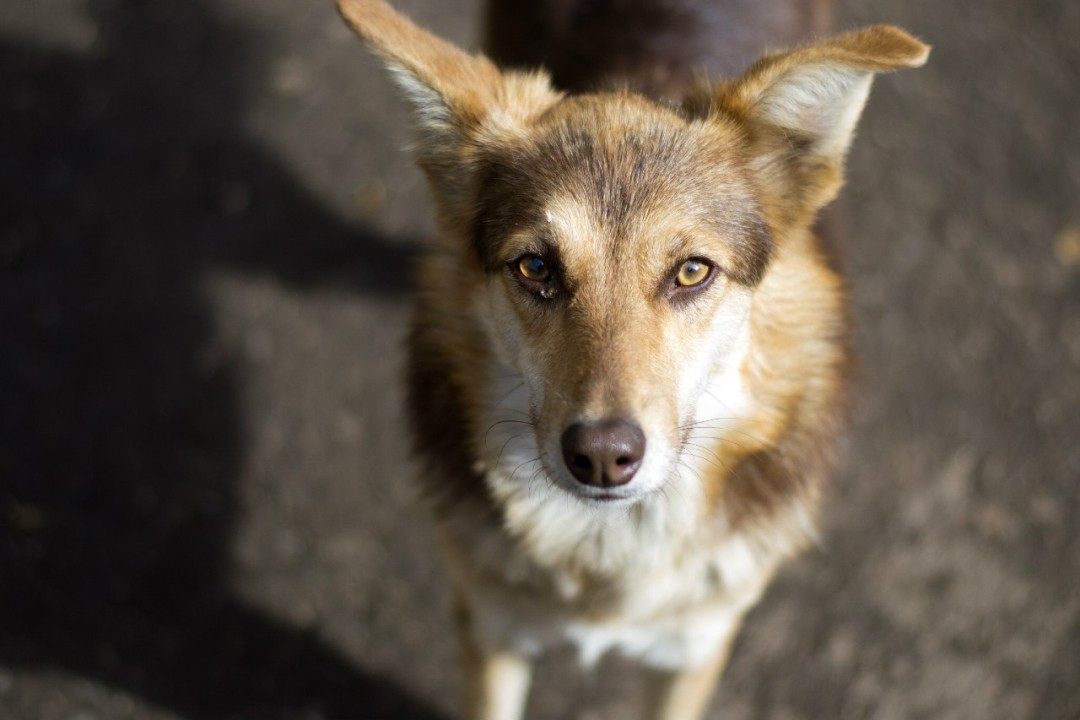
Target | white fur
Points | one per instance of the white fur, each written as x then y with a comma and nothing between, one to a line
432,113
822,100
508,678
674,614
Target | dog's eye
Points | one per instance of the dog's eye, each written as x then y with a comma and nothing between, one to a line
533,267
536,275
692,272
689,279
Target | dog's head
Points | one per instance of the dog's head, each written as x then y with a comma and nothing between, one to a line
613,249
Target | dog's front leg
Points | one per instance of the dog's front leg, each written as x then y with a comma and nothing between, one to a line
496,683
683,694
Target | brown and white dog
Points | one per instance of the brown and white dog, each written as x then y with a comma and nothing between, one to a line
628,356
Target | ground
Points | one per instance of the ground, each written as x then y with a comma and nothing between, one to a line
205,508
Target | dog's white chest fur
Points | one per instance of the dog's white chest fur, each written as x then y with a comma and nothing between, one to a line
663,601
677,617
655,581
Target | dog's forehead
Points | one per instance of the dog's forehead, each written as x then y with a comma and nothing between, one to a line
613,167
625,155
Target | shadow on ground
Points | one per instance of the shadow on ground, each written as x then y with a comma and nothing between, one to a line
120,439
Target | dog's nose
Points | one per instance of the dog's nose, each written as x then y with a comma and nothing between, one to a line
604,453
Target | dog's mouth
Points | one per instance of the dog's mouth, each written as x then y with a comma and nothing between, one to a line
607,497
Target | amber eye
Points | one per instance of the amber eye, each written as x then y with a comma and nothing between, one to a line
692,272
533,267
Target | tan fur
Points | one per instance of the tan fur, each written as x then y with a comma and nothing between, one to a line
739,388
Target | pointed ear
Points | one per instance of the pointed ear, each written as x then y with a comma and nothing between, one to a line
815,94
447,87
798,111
455,96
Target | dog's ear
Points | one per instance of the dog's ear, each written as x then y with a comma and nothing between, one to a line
448,88
456,97
802,106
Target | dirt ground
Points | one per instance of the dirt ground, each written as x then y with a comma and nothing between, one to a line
206,224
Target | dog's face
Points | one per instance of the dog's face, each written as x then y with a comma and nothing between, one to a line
621,243
616,247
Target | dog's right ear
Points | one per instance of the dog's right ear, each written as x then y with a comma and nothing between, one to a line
458,99
449,89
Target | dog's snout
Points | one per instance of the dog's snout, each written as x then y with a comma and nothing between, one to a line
603,454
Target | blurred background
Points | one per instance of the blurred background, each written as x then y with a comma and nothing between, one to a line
206,225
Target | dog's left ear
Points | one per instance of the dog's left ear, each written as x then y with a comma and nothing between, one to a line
802,106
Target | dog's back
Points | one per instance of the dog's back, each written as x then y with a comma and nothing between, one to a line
653,46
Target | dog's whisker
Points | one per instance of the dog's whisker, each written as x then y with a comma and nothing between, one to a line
514,472
494,425
710,444
498,459
717,464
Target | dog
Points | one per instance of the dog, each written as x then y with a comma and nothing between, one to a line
628,358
